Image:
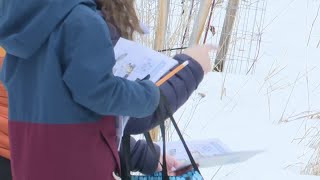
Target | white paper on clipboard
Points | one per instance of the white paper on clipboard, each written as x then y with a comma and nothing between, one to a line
135,61
207,153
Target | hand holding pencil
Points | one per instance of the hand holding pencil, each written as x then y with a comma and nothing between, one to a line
199,54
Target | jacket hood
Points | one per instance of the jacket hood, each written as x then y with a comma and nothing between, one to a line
26,24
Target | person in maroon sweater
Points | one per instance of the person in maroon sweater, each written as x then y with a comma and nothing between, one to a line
177,90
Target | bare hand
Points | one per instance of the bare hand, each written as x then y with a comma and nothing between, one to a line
172,164
200,53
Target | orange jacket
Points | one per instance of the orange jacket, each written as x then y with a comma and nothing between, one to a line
4,139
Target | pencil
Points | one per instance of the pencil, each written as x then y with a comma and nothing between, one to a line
172,73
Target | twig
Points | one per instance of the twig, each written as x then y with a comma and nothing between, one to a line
216,172
314,21
172,49
281,120
276,17
209,21
188,24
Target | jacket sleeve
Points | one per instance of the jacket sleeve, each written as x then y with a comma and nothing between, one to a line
143,159
177,90
87,64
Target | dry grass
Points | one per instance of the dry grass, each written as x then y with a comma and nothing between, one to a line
313,166
313,136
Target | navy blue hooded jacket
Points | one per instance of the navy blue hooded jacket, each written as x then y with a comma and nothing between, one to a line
62,94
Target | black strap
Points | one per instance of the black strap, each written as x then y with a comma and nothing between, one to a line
162,127
193,162
164,159
125,158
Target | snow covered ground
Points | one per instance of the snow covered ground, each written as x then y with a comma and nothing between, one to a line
243,121
262,111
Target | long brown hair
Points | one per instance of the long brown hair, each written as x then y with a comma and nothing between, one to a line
122,14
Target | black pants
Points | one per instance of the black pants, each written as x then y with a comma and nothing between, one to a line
5,169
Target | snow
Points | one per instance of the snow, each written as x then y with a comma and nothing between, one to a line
256,112
242,121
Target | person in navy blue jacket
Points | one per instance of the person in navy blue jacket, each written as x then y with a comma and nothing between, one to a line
177,90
